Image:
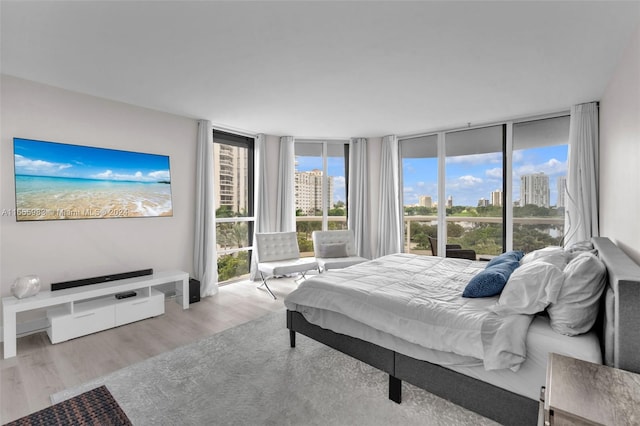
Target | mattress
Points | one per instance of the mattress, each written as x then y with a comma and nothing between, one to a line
418,299
540,341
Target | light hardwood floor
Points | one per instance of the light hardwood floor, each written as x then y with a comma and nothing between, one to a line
41,369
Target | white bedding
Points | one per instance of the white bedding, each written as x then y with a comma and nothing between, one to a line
541,340
419,299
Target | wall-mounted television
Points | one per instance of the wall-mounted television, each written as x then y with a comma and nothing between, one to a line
56,181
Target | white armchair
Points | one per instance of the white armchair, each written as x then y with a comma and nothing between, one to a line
335,249
278,254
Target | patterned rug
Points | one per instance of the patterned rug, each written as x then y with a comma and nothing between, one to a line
94,407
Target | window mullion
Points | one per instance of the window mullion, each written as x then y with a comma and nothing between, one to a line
507,196
442,195
325,187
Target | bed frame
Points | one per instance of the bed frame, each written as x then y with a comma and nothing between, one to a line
618,327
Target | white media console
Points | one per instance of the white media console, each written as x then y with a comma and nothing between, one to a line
78,311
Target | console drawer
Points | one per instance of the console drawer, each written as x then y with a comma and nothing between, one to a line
89,317
139,307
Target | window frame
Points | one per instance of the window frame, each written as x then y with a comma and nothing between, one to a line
507,173
244,142
325,174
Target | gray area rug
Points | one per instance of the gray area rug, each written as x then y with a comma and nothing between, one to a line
249,375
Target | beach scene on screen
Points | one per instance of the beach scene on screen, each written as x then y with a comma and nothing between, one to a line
62,181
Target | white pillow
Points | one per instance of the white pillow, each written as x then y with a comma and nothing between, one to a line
551,254
573,250
332,250
576,309
530,289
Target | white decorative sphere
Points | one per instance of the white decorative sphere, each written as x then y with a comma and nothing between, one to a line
26,286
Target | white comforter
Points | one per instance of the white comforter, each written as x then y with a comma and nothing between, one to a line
419,299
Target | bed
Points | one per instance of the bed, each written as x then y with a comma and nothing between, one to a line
507,393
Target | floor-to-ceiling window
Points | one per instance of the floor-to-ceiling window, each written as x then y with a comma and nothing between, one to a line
419,158
473,187
488,189
320,189
233,167
540,149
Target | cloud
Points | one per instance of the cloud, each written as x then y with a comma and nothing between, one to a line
159,175
413,191
517,156
38,167
476,159
467,189
409,197
468,180
107,174
495,173
135,177
550,167
408,168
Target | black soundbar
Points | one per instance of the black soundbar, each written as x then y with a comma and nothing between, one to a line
98,280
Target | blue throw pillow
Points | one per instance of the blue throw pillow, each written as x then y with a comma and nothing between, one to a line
491,280
505,257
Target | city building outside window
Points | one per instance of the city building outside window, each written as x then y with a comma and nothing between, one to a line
320,189
233,166
540,151
419,158
466,169
474,169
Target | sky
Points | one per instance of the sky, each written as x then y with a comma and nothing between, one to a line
37,158
471,177
335,168
468,177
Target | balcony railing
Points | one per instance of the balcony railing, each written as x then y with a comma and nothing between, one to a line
523,228
305,226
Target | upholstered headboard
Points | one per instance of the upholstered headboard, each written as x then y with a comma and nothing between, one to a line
621,313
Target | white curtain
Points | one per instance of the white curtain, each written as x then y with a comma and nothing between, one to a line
358,202
581,210
285,209
261,200
205,263
390,219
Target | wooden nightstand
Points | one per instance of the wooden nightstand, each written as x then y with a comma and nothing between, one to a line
584,393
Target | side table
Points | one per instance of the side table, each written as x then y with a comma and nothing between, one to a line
584,393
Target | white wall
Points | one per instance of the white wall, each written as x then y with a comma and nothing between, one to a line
66,250
620,153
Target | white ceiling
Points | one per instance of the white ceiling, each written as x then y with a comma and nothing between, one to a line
324,69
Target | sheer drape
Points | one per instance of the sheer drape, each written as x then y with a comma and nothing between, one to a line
205,263
285,209
261,200
581,214
390,219
358,202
